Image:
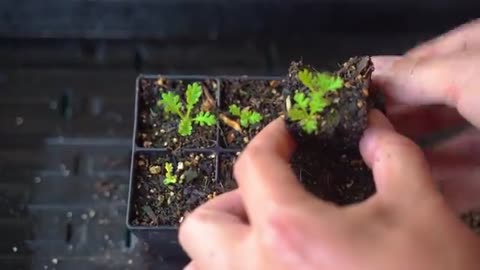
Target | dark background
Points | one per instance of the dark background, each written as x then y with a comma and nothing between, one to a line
67,72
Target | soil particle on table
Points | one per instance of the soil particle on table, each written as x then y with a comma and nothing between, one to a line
157,129
262,96
329,163
157,204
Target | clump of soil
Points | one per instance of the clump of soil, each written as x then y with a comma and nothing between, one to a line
472,219
329,163
262,96
158,204
157,129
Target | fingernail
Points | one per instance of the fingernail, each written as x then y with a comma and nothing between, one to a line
383,64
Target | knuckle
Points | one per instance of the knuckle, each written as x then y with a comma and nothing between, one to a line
192,222
281,231
254,148
248,158
199,216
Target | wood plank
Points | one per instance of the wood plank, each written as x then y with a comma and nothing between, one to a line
104,190
192,20
14,199
107,19
18,229
52,84
64,161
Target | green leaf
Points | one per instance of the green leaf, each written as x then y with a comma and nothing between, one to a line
317,103
168,168
205,118
301,100
255,118
325,82
244,116
170,178
171,103
247,117
234,110
296,113
306,77
244,122
185,127
193,94
309,125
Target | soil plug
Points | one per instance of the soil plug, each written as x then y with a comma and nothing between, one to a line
326,112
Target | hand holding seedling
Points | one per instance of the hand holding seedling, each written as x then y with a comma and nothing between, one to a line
271,222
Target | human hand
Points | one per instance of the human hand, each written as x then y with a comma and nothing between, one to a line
436,86
271,222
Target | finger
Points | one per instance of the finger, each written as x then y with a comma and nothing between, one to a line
456,165
230,202
399,167
449,80
264,175
418,121
464,149
190,266
461,187
212,234
465,37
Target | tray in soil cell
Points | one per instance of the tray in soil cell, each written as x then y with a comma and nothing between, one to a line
175,169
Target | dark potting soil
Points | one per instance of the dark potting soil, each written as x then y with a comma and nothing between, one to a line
225,173
329,163
157,129
472,219
157,204
262,96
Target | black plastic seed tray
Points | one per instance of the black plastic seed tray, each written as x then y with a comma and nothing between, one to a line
162,239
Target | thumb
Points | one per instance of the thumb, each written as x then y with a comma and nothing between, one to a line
399,166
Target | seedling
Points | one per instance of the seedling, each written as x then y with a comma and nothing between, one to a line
320,82
172,105
247,117
170,177
307,107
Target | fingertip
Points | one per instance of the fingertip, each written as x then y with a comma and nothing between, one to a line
383,72
274,137
384,63
377,122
